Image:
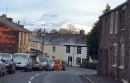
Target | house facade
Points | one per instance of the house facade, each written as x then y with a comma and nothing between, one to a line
114,37
69,47
14,37
74,54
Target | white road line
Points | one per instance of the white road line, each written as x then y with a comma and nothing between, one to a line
36,74
29,81
32,77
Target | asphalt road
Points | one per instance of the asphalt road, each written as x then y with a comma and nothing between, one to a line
71,75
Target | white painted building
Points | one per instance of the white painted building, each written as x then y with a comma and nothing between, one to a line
74,54
69,47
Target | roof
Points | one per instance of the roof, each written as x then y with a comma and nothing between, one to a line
13,25
119,6
62,39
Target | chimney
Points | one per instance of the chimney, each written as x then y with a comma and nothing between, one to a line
82,32
18,22
4,16
10,19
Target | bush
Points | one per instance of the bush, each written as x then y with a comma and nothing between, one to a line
91,65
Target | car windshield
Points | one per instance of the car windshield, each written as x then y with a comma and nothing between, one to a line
42,59
5,56
20,57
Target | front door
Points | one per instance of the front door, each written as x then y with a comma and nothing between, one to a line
69,61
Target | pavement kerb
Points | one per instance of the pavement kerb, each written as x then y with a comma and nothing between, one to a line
87,79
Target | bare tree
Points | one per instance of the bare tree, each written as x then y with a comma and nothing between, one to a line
63,31
71,29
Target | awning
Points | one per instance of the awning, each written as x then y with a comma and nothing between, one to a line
36,49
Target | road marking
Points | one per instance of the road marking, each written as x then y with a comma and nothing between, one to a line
37,74
29,81
32,77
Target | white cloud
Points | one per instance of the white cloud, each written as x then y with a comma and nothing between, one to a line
85,12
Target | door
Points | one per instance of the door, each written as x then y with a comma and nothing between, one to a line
70,61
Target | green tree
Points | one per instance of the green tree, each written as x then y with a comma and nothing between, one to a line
92,42
107,8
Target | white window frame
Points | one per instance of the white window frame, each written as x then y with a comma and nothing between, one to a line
116,22
111,23
122,55
114,54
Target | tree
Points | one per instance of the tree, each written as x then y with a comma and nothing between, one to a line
92,42
53,31
63,31
107,8
71,28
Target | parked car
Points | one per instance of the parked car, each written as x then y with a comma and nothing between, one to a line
50,65
2,66
44,61
37,64
10,63
23,61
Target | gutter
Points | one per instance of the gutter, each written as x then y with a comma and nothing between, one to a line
86,79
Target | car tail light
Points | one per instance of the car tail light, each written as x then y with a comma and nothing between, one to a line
36,62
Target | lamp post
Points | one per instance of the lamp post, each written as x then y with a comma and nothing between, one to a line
6,10
43,37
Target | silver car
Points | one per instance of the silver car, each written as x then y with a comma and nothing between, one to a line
50,65
44,62
2,66
23,61
37,64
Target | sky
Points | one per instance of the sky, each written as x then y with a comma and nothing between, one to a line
84,13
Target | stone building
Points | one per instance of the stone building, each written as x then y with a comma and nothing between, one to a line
114,37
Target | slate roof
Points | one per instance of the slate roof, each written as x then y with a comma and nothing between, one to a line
13,25
62,39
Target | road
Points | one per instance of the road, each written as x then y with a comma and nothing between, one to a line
71,75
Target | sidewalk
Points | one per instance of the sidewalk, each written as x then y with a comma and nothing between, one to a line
95,78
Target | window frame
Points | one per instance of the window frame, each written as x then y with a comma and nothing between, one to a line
79,48
67,49
53,48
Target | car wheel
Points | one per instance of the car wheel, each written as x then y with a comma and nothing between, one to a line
27,69
4,73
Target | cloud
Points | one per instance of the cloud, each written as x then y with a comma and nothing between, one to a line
85,12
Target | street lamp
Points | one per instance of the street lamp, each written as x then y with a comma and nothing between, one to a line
43,37
6,10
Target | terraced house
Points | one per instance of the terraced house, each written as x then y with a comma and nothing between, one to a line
69,47
114,43
13,36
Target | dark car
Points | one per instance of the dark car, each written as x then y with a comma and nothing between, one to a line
9,62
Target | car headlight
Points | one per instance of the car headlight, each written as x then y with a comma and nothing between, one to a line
24,63
7,64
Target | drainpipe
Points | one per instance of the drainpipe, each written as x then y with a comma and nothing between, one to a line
73,55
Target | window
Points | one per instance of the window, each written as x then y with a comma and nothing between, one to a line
111,23
53,57
78,50
78,61
67,49
53,48
122,50
116,22
115,54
